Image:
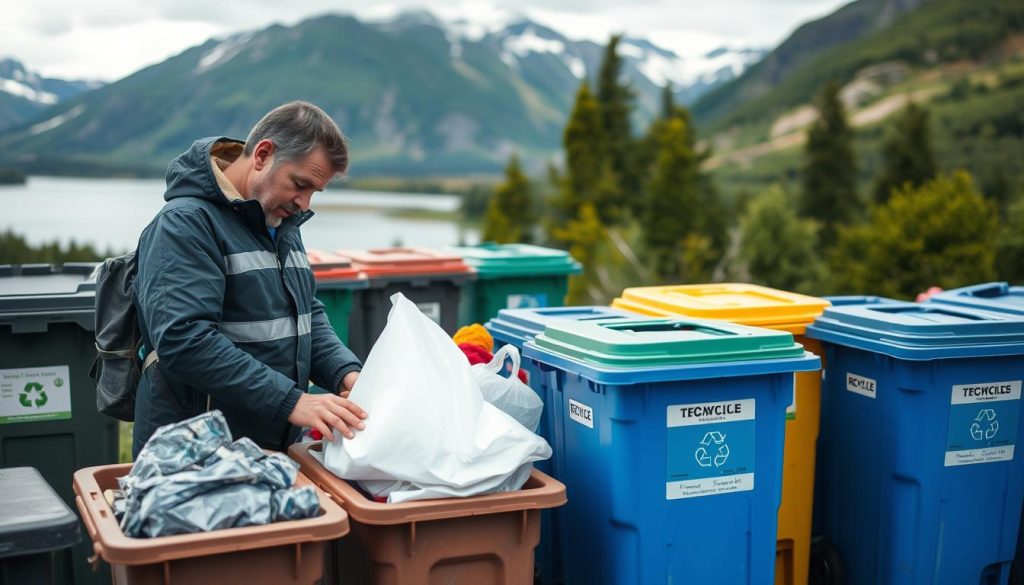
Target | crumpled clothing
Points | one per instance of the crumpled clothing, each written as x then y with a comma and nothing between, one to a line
191,477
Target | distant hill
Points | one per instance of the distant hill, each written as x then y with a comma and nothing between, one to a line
24,94
962,59
415,95
919,33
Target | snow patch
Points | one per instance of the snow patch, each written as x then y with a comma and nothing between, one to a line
576,66
531,42
21,90
223,52
630,50
56,120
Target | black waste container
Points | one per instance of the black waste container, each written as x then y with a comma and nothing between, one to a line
34,525
48,417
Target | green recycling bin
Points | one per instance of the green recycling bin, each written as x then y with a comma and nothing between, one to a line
513,276
48,417
336,281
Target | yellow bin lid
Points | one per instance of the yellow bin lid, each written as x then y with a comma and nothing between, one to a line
746,304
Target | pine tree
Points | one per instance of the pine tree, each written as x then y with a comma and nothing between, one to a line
588,177
672,202
510,214
829,191
583,234
615,100
907,154
585,158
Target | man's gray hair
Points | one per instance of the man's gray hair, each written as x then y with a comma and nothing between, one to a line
296,129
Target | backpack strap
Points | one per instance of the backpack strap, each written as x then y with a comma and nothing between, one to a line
151,358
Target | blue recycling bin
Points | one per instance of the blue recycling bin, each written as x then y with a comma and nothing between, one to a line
919,482
992,296
669,438
847,300
516,327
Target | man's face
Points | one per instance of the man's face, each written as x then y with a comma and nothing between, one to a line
286,188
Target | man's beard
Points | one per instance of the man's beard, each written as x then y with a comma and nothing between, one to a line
261,192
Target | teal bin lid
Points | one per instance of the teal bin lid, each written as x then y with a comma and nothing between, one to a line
646,342
921,331
524,324
993,296
32,295
497,260
639,350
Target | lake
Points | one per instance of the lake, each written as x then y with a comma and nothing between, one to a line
111,213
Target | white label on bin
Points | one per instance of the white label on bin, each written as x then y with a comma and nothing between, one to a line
581,413
525,301
861,385
35,394
982,422
431,310
710,448
791,409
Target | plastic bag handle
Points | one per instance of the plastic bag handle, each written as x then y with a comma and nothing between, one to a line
497,363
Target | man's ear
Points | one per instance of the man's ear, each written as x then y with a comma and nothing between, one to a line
263,154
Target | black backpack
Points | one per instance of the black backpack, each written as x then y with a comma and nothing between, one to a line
118,367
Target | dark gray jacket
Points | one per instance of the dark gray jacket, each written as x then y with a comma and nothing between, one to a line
229,311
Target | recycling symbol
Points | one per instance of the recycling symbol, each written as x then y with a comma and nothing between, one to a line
704,457
978,430
26,395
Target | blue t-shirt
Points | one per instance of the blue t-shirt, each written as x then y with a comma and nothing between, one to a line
273,233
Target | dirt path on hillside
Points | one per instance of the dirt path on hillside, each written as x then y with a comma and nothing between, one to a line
876,112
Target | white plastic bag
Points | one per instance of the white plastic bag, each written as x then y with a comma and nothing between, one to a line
509,394
428,423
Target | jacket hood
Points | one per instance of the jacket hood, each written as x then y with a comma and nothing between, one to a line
191,173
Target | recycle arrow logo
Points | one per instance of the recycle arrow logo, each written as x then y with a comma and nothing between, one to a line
25,398
979,433
704,458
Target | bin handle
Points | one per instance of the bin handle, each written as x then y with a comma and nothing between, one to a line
90,527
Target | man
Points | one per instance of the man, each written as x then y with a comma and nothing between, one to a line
225,291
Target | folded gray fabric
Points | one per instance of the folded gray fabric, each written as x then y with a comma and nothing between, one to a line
190,477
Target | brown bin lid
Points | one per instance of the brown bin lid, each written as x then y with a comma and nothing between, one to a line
388,262
540,491
117,549
327,266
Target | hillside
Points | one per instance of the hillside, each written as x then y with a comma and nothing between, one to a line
415,95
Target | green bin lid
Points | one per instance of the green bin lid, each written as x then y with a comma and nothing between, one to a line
647,342
496,260
32,295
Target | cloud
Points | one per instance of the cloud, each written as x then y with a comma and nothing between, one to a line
107,39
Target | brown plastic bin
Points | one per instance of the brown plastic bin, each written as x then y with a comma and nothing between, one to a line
290,552
478,540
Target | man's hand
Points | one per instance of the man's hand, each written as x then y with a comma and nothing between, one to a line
347,383
326,412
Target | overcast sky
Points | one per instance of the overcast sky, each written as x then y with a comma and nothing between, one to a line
108,39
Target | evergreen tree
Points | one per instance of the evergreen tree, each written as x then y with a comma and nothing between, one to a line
583,234
672,202
668,102
942,233
585,158
615,100
907,154
510,214
777,246
829,193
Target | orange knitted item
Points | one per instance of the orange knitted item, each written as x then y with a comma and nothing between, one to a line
475,334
